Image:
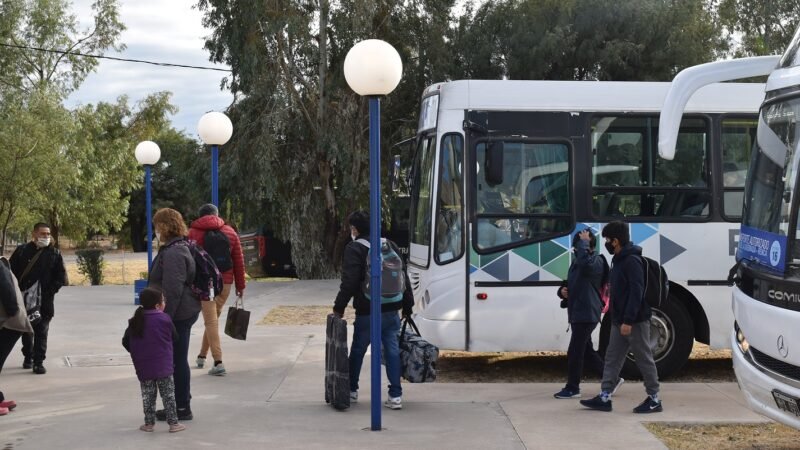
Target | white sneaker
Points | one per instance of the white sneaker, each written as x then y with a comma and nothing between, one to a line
394,403
616,388
200,362
218,370
353,396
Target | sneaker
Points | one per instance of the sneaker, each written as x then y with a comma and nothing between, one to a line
616,388
567,393
8,404
27,363
353,396
175,427
39,369
148,427
394,403
649,406
597,403
200,361
3,411
183,414
218,370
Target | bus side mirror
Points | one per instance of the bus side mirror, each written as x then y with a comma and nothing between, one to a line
396,174
494,163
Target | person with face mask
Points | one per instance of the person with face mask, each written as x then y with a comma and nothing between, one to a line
40,262
630,322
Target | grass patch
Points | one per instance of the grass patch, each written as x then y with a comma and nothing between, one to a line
726,436
302,315
114,272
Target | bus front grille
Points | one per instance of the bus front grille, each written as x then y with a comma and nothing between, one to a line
774,365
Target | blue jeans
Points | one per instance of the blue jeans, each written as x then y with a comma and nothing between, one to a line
390,327
180,358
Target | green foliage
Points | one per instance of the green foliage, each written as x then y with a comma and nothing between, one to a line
91,264
760,27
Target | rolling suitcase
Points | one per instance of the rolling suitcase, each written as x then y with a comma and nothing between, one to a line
337,366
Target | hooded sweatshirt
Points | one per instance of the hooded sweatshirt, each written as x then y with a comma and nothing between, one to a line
626,280
197,233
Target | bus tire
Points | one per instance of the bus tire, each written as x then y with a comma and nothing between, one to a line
672,333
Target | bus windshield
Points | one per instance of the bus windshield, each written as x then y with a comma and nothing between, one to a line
771,186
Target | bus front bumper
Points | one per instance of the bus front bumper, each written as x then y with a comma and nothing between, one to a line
757,387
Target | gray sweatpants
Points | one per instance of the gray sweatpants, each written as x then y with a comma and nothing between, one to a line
638,342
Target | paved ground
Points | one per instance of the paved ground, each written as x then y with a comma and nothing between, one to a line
273,394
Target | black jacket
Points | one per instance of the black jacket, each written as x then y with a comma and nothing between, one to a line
584,281
627,287
49,271
354,267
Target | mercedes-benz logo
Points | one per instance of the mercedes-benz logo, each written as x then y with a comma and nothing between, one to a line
783,350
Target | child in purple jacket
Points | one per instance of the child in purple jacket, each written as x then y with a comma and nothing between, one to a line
148,338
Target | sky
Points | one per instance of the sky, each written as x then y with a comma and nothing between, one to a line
163,31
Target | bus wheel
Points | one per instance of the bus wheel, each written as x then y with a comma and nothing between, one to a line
671,337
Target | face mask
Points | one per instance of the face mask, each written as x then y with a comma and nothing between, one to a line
42,242
610,247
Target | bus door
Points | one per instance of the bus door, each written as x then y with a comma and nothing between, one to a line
522,217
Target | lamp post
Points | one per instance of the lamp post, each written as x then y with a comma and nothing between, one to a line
215,129
148,153
373,69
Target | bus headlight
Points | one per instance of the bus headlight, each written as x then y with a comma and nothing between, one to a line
740,339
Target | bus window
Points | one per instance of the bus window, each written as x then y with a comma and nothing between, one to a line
421,189
629,180
449,211
737,143
533,201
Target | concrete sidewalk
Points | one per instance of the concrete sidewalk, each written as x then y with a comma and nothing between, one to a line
273,395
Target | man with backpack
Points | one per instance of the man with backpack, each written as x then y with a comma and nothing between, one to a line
395,296
222,244
630,321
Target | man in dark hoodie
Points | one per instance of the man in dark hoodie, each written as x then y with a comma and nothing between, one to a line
354,262
630,319
39,261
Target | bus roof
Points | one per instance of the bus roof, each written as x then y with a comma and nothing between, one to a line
622,96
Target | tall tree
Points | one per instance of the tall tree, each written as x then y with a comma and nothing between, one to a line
300,140
760,27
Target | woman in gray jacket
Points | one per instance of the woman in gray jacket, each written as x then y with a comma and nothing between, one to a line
173,271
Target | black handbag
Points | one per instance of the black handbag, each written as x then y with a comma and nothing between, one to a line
238,320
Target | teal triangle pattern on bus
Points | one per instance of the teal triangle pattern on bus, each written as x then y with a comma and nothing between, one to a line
550,260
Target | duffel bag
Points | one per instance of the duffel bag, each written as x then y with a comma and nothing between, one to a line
418,357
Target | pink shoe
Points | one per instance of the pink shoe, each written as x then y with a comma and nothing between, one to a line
9,404
147,427
3,411
176,427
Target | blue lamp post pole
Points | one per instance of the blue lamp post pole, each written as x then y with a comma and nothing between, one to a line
375,256
373,69
215,175
148,153
215,129
149,209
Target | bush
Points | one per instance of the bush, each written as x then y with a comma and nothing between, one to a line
90,264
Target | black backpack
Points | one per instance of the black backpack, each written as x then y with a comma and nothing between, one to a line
656,283
217,245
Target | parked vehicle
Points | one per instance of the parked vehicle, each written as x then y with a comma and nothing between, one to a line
266,256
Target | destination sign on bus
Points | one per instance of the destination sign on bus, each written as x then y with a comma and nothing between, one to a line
767,248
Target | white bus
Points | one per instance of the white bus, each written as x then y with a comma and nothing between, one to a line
766,298
505,172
